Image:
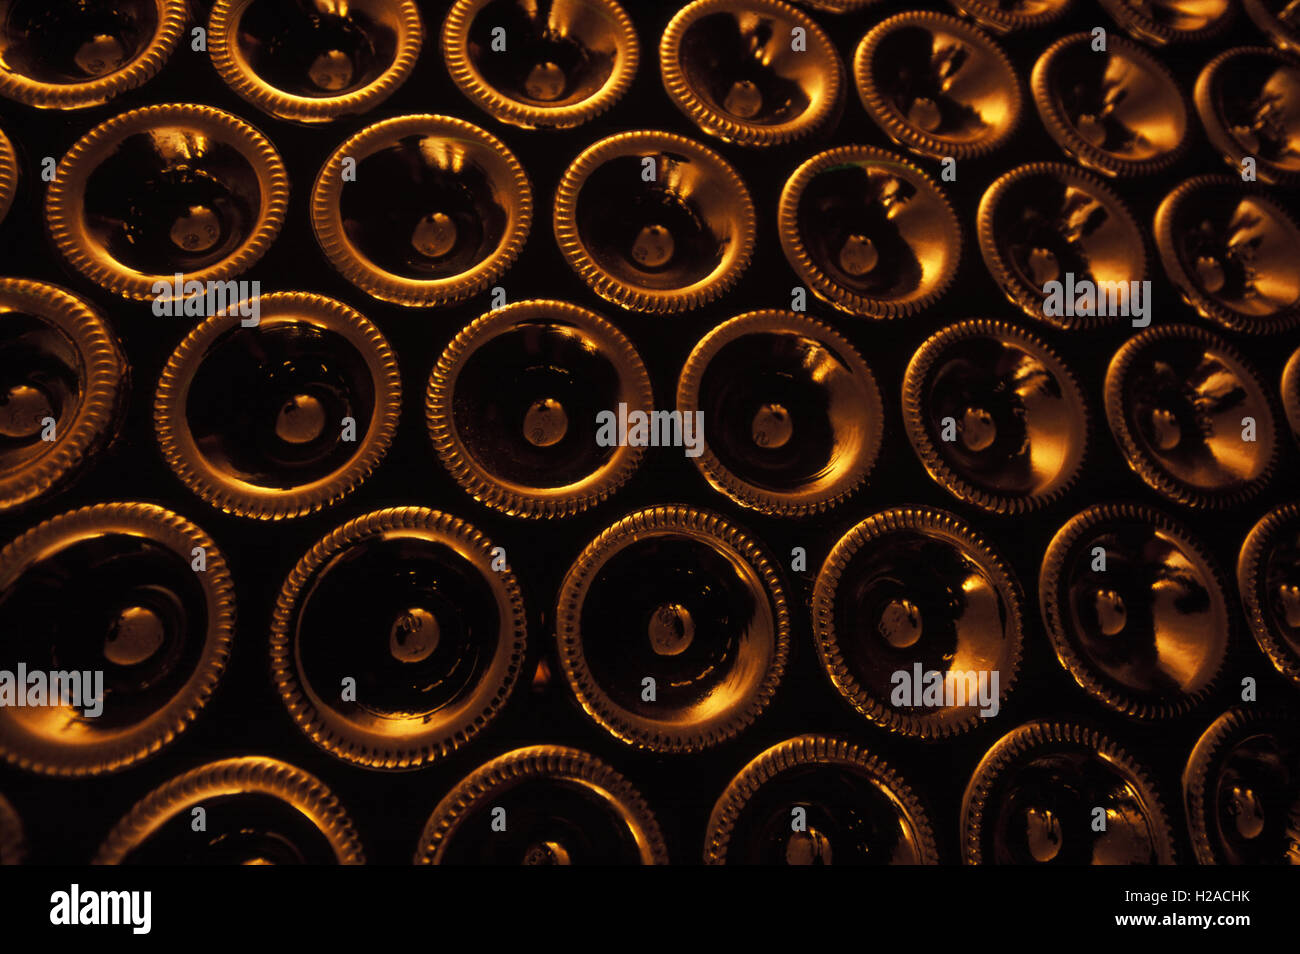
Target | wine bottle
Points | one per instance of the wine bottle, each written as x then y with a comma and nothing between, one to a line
1191,416
121,617
1247,98
794,414
1172,21
1116,111
398,638
314,62
1136,610
1231,249
1048,222
240,811
838,6
1268,578
166,190
542,805
63,389
734,69
995,415
422,210
1012,16
654,222
1241,791
814,800
673,629
72,54
918,622
1062,793
937,85
514,402
283,417
869,232
552,66
1279,22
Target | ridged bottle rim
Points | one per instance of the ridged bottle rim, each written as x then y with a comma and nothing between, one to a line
908,134
734,544
746,493
244,775
172,17
1147,467
823,285
1291,393
996,16
352,263
65,200
948,476
805,750
512,497
1043,735
8,175
341,736
104,378
477,89
542,762
955,532
568,236
1107,691
161,728
733,129
243,498
223,46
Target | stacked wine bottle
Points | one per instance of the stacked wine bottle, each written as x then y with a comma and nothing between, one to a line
729,432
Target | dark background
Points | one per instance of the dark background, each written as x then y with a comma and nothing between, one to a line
65,820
